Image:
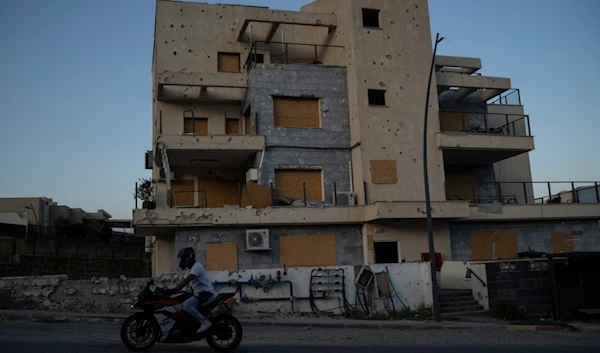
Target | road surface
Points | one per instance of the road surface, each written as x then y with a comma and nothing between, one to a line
29,337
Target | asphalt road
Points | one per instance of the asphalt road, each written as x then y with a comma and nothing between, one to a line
28,337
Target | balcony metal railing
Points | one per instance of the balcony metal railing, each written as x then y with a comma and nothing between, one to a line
510,97
201,198
290,53
528,192
488,123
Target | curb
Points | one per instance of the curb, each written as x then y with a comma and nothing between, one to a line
50,317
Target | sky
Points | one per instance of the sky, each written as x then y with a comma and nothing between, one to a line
75,96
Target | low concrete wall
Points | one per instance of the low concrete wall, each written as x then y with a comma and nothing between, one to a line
75,267
58,293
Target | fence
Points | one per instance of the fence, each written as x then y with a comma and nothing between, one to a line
512,97
260,196
528,192
292,53
486,123
47,241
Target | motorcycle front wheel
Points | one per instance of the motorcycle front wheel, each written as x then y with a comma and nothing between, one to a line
139,332
226,334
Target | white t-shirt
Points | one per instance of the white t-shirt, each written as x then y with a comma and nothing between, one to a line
201,283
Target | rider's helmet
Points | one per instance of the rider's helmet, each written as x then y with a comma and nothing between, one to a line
187,258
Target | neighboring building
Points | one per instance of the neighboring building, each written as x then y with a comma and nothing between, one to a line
325,106
43,211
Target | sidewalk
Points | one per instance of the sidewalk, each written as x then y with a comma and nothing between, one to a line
32,315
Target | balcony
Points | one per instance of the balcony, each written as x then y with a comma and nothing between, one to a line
483,138
285,53
524,193
201,87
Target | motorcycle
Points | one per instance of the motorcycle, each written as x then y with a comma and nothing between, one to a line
163,320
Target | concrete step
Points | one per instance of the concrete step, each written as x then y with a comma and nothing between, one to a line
462,313
454,292
458,303
461,309
456,299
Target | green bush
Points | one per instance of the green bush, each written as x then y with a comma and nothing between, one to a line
511,311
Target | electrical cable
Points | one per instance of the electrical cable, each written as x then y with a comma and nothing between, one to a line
394,290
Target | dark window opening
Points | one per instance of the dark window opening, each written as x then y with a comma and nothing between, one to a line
376,97
257,58
386,252
370,18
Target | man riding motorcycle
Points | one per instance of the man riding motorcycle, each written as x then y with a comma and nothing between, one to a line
201,285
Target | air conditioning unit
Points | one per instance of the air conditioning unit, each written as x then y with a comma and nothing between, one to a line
344,198
257,239
252,175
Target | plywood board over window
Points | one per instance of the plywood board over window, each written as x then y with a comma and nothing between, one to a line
248,123
198,126
454,121
232,126
229,62
562,242
221,257
219,192
504,242
183,192
309,250
461,185
383,172
296,112
290,183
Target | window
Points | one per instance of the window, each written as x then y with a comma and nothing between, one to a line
296,112
290,183
377,97
197,126
370,18
257,58
386,252
229,62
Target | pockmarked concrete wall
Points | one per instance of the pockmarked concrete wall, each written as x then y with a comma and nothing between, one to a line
58,293
532,236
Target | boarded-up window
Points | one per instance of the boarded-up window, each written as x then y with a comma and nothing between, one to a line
290,183
454,121
229,62
309,250
248,123
494,245
383,172
296,112
184,193
195,126
257,196
461,186
232,126
562,243
219,192
221,257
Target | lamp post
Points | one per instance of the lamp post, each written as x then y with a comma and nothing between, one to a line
434,287
37,223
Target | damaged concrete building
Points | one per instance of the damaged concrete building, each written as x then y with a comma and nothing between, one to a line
284,138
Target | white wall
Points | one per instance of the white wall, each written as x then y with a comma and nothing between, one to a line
453,274
18,218
480,292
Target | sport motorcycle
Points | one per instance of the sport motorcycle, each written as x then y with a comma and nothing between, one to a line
163,320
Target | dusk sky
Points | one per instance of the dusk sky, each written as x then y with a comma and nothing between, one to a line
76,88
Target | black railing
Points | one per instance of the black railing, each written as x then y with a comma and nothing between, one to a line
488,123
510,97
470,272
263,196
516,192
289,53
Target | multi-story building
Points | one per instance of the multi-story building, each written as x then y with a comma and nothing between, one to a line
285,138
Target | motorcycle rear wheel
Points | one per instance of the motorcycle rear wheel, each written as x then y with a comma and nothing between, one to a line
146,328
226,328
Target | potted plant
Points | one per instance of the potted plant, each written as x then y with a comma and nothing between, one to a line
144,193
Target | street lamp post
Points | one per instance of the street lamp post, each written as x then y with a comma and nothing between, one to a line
37,223
434,287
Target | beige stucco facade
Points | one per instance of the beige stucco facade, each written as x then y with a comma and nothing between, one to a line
194,42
